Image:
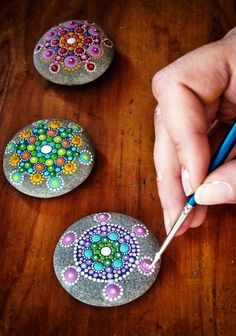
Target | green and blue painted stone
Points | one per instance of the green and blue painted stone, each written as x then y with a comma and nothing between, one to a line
48,158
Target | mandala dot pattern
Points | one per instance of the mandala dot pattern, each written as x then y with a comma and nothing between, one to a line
48,158
73,53
104,259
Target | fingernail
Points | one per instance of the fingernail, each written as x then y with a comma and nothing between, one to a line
186,182
167,221
215,192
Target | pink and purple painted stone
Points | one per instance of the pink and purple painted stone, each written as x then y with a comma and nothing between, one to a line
104,259
73,53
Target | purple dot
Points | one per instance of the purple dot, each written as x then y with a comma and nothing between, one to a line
113,291
110,276
144,265
103,227
94,31
91,272
125,257
50,35
139,231
83,265
87,244
103,217
81,242
121,240
127,237
70,275
131,260
48,54
71,61
94,51
68,239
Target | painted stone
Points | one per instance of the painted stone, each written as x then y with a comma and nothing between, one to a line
104,259
48,158
73,53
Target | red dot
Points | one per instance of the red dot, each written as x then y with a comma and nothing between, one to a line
90,66
62,50
54,67
79,50
88,40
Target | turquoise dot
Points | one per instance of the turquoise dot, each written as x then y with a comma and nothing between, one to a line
113,236
55,182
22,141
52,143
38,147
58,169
44,142
19,151
47,156
39,154
70,158
96,238
21,164
88,253
117,263
54,150
30,170
124,248
46,173
73,148
98,266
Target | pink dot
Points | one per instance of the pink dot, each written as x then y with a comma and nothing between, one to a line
113,291
70,275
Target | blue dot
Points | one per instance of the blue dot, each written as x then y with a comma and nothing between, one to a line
124,248
117,263
113,236
96,238
98,266
88,253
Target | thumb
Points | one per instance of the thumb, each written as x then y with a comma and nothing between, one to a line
219,187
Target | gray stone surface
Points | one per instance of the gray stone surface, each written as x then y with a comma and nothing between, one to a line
73,53
48,158
102,259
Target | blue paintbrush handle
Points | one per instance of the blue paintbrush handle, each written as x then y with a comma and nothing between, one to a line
220,155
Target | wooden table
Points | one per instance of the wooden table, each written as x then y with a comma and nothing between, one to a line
195,291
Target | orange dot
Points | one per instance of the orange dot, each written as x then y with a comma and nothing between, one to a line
60,161
39,166
51,132
65,143
26,155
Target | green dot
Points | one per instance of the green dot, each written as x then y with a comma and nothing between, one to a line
109,244
27,165
37,143
31,147
23,146
61,151
49,139
94,246
41,131
76,154
95,257
114,249
52,174
104,240
34,153
111,257
33,159
97,251
49,162
42,137
69,153
117,255
107,262
102,258
116,244
22,170
63,134
54,156
51,169
58,145
57,139
42,159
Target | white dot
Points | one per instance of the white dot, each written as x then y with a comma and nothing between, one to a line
46,149
71,40
106,251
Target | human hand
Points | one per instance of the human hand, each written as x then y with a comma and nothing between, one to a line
192,93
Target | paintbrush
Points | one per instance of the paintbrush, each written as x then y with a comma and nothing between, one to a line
217,160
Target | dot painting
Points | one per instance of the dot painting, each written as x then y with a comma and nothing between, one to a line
74,52
48,158
104,259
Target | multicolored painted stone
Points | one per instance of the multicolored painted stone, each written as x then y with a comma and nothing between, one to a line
104,259
48,158
73,53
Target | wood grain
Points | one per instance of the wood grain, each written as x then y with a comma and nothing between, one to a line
195,293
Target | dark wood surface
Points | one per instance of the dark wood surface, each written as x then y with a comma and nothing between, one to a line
195,293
